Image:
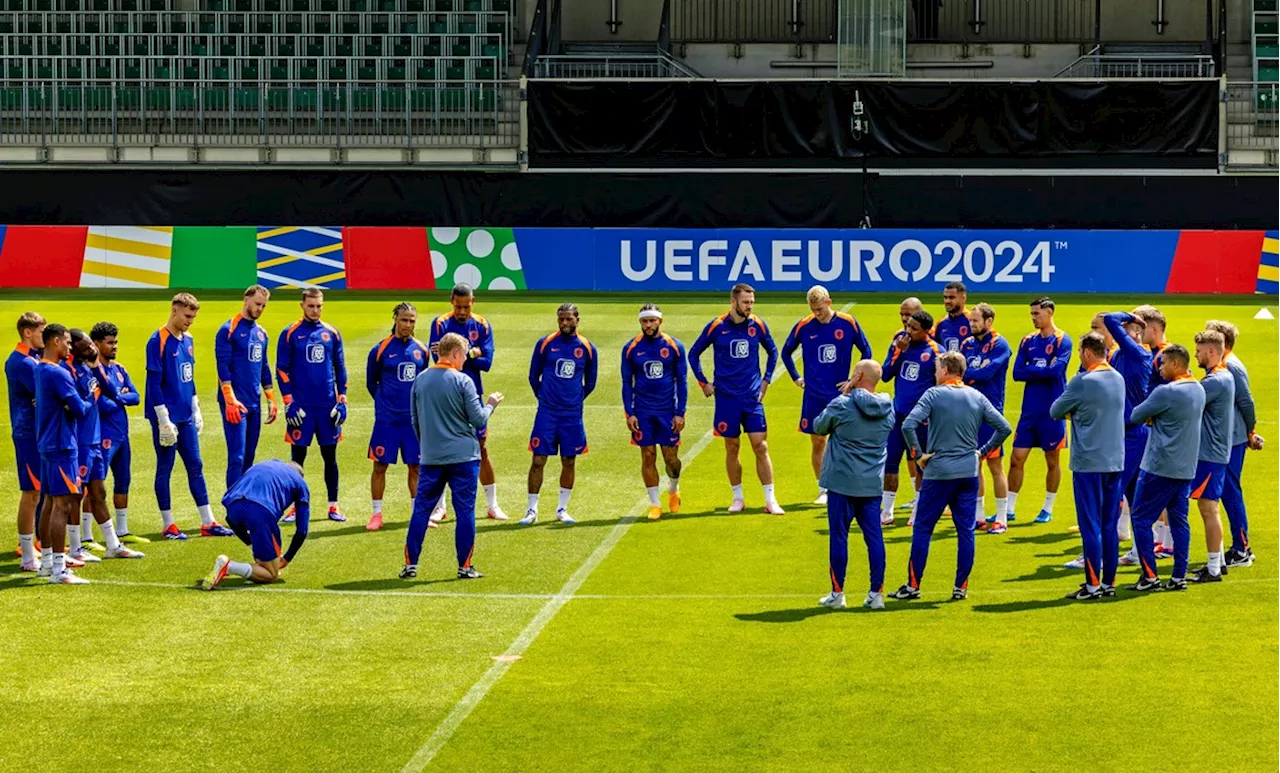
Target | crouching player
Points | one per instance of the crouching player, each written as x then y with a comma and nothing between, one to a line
858,425
655,391
255,505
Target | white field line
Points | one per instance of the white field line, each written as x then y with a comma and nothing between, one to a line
463,708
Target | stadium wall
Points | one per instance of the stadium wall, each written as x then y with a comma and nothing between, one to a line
606,259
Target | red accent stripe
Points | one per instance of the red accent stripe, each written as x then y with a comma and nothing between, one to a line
43,256
1215,262
388,259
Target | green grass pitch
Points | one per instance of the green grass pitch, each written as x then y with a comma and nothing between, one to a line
695,643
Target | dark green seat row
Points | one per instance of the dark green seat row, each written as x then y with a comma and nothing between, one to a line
104,98
335,6
274,71
263,23
253,46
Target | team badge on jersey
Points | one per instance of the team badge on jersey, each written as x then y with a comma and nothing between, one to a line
315,353
408,371
910,371
827,353
255,352
186,373
741,349
653,369
565,368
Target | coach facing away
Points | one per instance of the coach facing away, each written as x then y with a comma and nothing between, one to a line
446,414
858,424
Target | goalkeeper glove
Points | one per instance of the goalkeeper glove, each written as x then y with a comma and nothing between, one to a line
166,429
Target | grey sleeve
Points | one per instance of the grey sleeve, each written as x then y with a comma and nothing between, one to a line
477,413
826,422
918,415
1068,401
413,408
1244,400
1153,406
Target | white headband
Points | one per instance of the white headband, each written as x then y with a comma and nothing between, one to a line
650,314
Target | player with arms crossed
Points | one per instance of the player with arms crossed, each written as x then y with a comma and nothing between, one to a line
826,340
59,410
859,424
655,391
987,355
1174,410
735,339
117,452
244,376
1242,437
1095,402
1216,429
1041,363
951,331
20,374
254,507
393,364
174,412
476,330
562,374
312,369
954,413
912,357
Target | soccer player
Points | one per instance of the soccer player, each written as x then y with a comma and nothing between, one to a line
1216,428
826,340
1174,410
393,364
59,410
1041,363
244,376
859,424
446,414
909,364
254,506
908,307
117,454
954,413
562,374
951,330
735,339
1242,437
174,412
91,383
1153,338
1095,401
475,329
987,355
20,374
655,391
312,369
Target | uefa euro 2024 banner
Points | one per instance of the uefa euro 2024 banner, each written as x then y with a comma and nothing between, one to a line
639,259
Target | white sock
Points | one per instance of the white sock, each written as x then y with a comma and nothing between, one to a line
59,563
73,539
206,515
166,518
673,485
565,493
86,526
46,558
1125,526
377,507
1013,501
886,501
109,535
915,504
533,502
28,543
981,509
491,495
1048,502
1002,511
768,493
737,492
439,504
1162,533
1215,564
239,569
652,491
122,520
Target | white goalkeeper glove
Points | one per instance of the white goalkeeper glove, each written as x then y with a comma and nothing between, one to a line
196,417
168,431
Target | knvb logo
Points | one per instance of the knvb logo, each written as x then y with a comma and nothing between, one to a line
1040,362
255,352
741,349
408,371
566,368
910,371
315,353
186,373
827,353
653,369
952,344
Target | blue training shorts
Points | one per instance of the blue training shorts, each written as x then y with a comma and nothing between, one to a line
317,424
655,430
60,475
897,445
985,433
1209,480
810,407
557,435
117,457
92,464
256,527
392,442
1043,432
734,415
27,457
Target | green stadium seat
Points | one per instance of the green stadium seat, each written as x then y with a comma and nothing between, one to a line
491,49
456,72
220,73
495,28
35,25
473,6
485,99
394,99
293,25
349,25
415,6
460,47
443,6
6,25
215,98
1266,27
24,48
306,98
75,72
169,48
53,46
395,73
453,98
333,99
337,71
431,47
1269,74
388,6
236,25
190,72
42,5
150,25
249,71
71,6
93,25
485,72
467,27
44,71
437,27
380,25
207,26
158,99
104,72
257,46
242,6
1264,5
263,24
323,25
301,6
271,6
247,98
199,49
308,73
129,97
315,47
132,70
162,72
62,25
111,47
408,26
279,72
423,99
344,48
140,47
285,47
372,47
128,5
402,46
1267,51
329,6
364,100
426,72
227,48
502,6
70,99
367,73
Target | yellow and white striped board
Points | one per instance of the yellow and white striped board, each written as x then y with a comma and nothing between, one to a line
127,256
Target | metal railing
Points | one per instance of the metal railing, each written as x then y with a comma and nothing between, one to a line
1145,66
235,23
657,65
1002,21
256,71
281,44
1253,125
753,21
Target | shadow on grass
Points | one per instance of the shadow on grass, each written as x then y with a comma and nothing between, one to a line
1047,572
804,613
395,583
1041,539
347,531
1038,604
